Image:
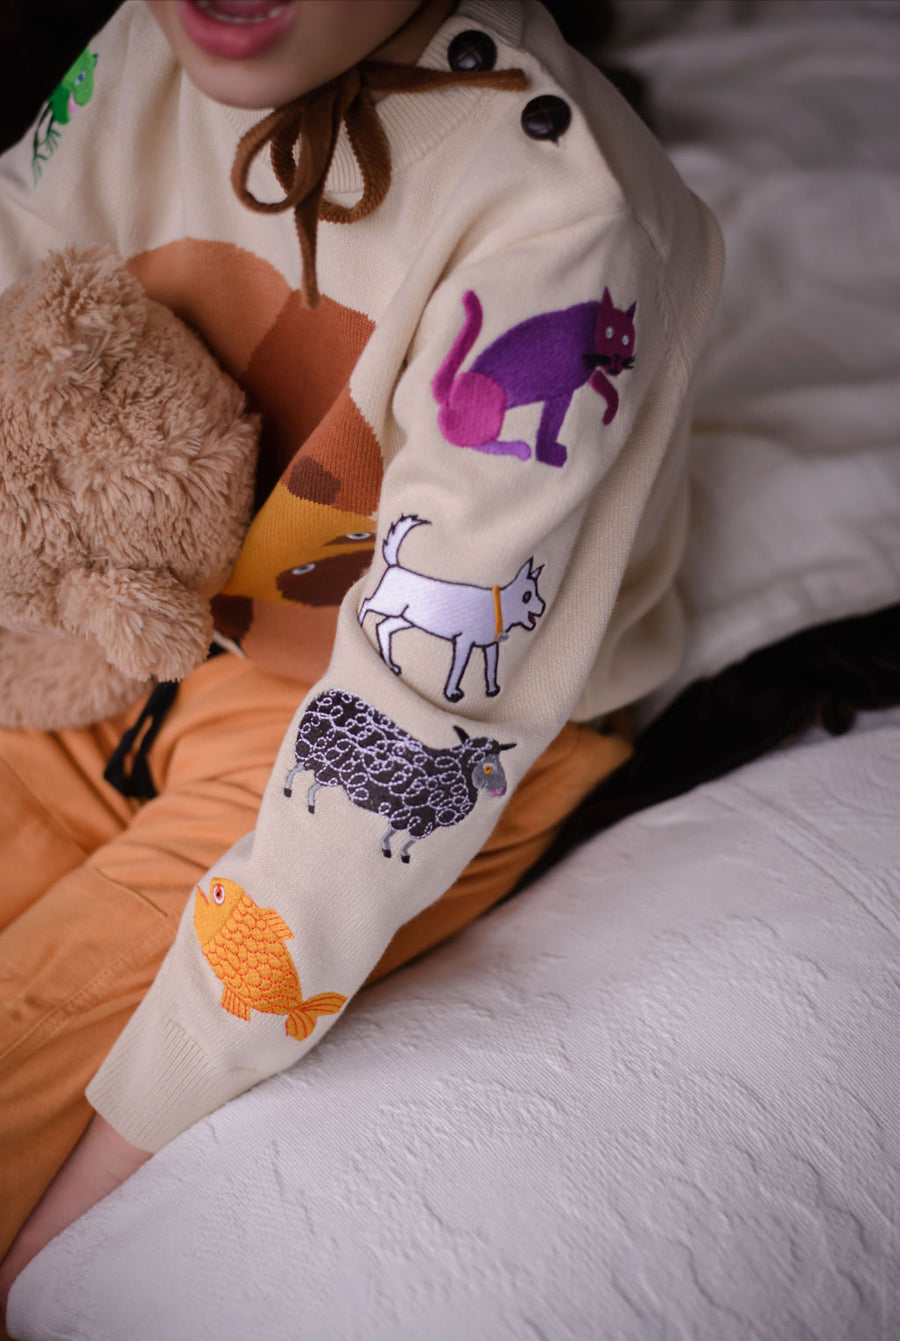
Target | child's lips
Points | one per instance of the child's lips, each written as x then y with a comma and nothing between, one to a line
235,29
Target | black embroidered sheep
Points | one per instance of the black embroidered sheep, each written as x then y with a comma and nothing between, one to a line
345,742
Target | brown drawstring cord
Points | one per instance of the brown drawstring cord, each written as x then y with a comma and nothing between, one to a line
315,120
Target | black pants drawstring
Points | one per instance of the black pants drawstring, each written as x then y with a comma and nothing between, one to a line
133,778
135,781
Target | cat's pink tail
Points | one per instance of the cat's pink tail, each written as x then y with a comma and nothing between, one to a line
443,378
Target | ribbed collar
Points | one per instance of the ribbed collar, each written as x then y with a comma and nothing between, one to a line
414,125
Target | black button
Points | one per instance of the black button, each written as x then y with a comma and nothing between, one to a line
546,118
472,50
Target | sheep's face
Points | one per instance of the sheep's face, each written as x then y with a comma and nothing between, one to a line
488,775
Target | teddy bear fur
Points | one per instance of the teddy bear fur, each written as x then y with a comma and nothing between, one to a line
126,486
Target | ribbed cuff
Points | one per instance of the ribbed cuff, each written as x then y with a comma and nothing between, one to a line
161,1084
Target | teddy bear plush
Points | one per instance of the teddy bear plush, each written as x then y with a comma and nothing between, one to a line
128,460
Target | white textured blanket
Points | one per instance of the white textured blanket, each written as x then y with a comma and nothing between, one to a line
655,1098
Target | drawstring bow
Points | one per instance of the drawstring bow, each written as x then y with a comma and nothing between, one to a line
314,121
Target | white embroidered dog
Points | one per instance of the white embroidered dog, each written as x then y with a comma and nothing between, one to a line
466,615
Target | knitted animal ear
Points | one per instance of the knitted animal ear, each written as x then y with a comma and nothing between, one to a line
72,322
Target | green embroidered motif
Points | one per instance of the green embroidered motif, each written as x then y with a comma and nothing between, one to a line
75,89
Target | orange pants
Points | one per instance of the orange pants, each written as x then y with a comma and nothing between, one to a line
93,885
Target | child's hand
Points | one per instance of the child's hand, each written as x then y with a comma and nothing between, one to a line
99,1163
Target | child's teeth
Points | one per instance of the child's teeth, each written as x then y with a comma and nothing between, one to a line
240,11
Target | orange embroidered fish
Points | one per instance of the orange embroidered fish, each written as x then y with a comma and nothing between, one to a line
244,946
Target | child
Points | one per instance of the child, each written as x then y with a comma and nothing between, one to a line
469,315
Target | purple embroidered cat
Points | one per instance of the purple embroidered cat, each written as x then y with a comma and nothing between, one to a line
545,358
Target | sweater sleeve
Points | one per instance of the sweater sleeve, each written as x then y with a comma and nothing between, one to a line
535,410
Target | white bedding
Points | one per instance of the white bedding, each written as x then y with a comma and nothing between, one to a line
656,1097
783,115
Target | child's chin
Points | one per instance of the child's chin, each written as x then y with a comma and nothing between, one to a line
240,87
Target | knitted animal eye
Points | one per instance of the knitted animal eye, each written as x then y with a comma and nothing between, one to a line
359,535
303,568
489,768
609,332
218,894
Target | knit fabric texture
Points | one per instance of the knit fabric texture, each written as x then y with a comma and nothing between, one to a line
471,497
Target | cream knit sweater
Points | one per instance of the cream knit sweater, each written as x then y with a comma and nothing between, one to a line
537,306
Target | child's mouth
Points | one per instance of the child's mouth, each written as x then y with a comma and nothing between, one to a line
241,11
235,29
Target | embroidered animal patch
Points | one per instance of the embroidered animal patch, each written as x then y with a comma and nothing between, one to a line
75,89
466,615
345,742
462,613
546,359
244,946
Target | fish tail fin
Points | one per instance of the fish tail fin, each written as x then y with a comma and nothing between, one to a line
301,1021
326,1003
471,328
